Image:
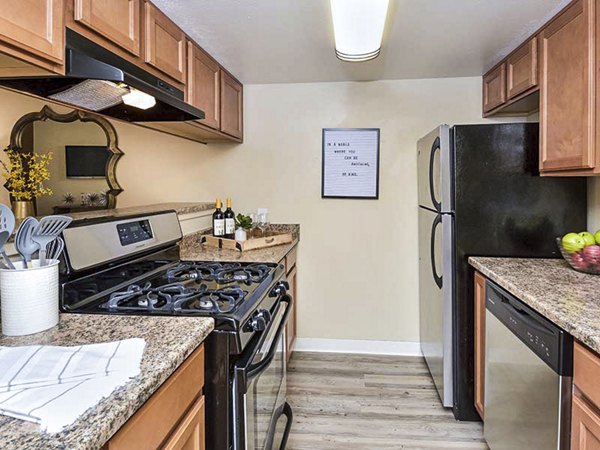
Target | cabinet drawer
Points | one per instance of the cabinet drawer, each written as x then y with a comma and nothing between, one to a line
586,372
159,415
522,69
290,259
494,88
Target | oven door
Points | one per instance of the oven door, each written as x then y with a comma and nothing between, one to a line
259,386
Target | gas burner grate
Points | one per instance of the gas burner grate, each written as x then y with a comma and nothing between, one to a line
221,273
175,297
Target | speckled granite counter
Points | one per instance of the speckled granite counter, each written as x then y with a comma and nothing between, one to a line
169,341
179,207
568,298
192,250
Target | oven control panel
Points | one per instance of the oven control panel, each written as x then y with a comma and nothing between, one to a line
134,232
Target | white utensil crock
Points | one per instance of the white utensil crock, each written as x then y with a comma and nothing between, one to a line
29,298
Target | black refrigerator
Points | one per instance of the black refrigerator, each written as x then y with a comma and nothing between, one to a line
480,194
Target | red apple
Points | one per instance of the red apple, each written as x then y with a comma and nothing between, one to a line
579,262
591,254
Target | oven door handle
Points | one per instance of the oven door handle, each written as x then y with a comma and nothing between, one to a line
255,369
246,370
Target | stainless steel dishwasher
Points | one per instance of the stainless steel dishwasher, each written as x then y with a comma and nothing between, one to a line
528,377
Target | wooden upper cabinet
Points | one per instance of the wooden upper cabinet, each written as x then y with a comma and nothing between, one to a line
494,88
165,43
231,106
522,69
567,89
479,294
204,85
115,20
33,28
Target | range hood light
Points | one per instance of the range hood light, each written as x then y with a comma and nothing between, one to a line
138,99
358,28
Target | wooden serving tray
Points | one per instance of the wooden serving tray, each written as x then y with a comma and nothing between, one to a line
250,244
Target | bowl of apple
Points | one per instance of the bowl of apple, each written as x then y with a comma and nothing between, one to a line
581,251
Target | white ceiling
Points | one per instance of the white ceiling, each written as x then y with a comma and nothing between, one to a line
291,41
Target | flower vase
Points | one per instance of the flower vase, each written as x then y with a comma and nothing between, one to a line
23,208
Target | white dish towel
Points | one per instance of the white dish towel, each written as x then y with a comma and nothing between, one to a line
53,386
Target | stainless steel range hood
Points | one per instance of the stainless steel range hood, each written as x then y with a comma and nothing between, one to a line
96,80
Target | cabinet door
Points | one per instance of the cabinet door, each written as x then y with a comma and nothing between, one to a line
116,20
585,426
203,85
164,43
189,434
479,290
35,27
231,106
494,88
291,325
522,69
567,90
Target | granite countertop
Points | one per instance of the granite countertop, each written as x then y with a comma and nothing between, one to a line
568,298
169,341
191,249
179,207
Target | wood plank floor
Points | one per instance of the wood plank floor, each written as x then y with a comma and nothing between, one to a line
365,402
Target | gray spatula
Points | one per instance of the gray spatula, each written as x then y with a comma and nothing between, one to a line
7,224
25,245
48,229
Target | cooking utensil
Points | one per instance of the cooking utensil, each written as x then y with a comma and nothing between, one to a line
7,224
25,245
4,235
48,229
55,248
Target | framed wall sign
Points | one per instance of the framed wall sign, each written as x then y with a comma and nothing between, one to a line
350,163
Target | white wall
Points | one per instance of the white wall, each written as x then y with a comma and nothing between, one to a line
358,276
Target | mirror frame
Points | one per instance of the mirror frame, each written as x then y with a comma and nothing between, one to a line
47,113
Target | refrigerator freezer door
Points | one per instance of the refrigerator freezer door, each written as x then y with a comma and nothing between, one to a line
434,169
435,297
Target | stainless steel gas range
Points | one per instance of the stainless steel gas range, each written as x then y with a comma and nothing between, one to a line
131,265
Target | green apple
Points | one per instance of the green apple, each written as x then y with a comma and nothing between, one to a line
573,242
597,237
588,238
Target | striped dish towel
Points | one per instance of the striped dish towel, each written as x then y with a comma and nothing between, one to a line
53,386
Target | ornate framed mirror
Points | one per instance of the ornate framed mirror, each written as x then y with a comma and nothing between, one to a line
85,153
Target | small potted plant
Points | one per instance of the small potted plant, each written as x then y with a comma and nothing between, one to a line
243,223
25,174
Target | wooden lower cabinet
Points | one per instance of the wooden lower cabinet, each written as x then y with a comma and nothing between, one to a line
585,425
189,435
291,329
585,414
173,417
479,351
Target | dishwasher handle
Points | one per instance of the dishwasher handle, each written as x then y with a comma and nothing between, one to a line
526,317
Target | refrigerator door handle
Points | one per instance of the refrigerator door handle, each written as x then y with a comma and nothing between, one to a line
438,279
434,148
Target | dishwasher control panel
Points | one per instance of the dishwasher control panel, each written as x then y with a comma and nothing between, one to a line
548,341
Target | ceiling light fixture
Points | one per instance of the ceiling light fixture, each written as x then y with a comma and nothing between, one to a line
358,28
138,99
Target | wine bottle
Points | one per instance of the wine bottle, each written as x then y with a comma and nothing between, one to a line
218,221
229,221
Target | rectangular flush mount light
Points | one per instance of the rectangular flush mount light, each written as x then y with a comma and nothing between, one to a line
358,28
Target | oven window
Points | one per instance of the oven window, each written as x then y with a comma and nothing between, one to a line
265,397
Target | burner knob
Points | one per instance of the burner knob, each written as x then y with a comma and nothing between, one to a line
280,289
259,320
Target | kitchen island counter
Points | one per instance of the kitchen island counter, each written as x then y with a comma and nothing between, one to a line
169,341
192,248
568,298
